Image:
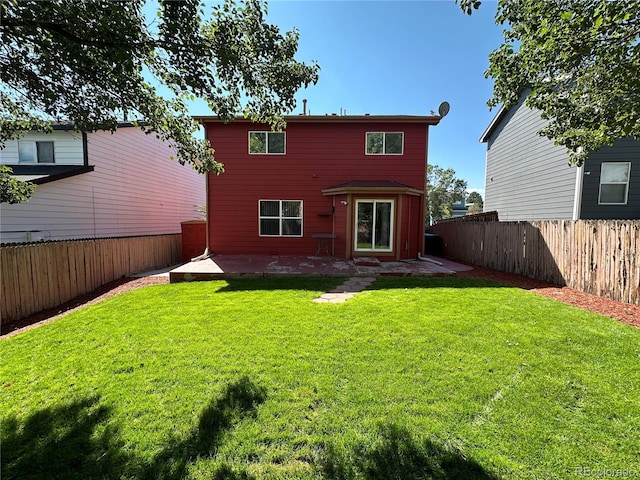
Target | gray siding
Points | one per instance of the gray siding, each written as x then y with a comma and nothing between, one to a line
527,176
626,150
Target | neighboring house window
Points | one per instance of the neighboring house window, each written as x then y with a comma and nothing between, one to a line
384,143
614,183
280,218
35,152
374,225
267,142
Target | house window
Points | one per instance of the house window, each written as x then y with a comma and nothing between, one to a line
384,143
267,143
614,183
280,218
35,152
374,225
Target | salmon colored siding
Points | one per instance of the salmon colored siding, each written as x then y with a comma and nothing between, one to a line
318,156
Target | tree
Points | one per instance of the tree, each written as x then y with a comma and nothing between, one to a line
13,190
478,204
579,62
443,189
97,62
475,197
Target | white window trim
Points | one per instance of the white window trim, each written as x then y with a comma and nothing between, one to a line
34,148
384,143
268,132
391,223
626,193
280,218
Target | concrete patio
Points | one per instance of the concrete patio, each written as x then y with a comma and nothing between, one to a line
231,266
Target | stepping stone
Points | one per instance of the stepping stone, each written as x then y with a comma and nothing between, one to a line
345,291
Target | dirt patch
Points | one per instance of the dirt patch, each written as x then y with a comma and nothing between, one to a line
623,312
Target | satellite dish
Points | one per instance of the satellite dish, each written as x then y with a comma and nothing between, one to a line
443,109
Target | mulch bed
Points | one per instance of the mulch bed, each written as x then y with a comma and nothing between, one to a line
623,312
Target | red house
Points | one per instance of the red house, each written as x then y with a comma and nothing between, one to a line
346,186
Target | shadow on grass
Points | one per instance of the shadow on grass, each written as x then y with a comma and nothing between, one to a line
246,284
73,441
239,400
327,283
398,456
390,282
77,441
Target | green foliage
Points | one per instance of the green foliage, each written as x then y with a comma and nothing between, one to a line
443,189
384,143
475,197
468,6
478,203
201,210
375,142
413,378
579,59
83,62
13,190
258,142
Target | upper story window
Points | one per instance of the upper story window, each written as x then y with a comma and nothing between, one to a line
614,183
280,218
384,143
35,152
272,143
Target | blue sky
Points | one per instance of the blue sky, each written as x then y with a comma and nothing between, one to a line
405,58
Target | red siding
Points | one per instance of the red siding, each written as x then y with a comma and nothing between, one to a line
318,156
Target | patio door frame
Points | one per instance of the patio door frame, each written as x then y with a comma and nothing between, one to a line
392,229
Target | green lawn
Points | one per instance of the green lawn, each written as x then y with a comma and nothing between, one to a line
249,379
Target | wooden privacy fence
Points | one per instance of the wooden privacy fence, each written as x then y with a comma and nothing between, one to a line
595,256
38,276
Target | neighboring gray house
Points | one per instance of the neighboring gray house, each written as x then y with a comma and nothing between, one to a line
459,209
528,177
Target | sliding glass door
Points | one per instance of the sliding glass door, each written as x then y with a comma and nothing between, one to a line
374,225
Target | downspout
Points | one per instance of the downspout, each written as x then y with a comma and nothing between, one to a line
423,209
206,253
408,228
427,259
85,149
577,199
333,220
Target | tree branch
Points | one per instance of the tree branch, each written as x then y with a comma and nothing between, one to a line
59,29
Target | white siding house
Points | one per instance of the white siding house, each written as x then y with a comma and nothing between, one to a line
98,184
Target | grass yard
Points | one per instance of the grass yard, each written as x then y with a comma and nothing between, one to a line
414,378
